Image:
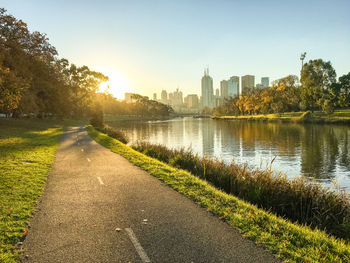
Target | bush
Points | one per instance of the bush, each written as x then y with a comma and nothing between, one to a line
299,200
114,133
97,117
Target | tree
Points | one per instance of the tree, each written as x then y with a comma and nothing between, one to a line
344,90
11,89
317,77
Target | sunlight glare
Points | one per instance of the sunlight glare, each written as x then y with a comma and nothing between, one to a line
117,85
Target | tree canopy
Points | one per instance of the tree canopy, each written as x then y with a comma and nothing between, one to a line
33,80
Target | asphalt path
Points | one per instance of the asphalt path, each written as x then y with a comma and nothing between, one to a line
98,207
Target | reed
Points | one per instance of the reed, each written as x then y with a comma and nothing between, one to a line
300,200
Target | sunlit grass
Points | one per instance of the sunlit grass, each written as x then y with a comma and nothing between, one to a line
27,151
292,242
299,200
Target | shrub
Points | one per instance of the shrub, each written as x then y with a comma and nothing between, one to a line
114,133
300,200
97,116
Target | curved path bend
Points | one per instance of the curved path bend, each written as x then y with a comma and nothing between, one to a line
98,207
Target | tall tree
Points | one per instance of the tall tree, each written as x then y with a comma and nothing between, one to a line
344,90
317,77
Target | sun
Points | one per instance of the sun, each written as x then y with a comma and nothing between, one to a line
117,85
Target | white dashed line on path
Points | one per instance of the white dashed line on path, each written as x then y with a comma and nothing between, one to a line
88,159
100,180
137,246
82,150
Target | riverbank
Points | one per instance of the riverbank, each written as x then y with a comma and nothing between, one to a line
339,116
117,118
27,151
291,242
299,200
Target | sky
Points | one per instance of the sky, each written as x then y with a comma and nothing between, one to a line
147,46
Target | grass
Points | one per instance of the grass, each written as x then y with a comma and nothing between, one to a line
299,200
339,116
291,242
27,151
114,133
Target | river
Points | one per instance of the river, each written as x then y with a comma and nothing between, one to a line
315,150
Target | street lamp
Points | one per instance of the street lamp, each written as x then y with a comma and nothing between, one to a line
302,57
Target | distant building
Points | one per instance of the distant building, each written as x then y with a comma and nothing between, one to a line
265,81
248,83
154,96
192,101
175,98
164,97
259,86
233,86
224,89
207,90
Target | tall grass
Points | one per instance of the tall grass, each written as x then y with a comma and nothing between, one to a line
299,200
112,132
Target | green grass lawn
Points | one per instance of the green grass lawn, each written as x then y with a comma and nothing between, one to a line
27,151
317,116
291,242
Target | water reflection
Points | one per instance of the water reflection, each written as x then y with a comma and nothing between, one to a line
319,151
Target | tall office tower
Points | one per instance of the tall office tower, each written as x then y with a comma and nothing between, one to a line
233,86
248,83
265,81
224,89
207,90
164,97
217,93
154,96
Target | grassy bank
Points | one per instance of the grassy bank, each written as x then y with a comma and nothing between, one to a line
292,242
340,116
27,151
298,200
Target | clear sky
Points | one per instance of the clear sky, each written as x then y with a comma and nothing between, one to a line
146,46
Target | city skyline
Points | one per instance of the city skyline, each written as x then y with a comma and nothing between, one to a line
224,90
146,46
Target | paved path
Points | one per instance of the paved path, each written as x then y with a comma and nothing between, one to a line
91,191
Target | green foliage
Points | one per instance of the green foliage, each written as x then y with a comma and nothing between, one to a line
34,81
292,242
27,150
317,78
298,200
344,90
97,116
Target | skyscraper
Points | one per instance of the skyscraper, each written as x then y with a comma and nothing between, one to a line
207,90
224,89
154,96
164,97
233,86
248,83
265,81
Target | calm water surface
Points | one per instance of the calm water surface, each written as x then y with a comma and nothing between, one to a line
315,150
